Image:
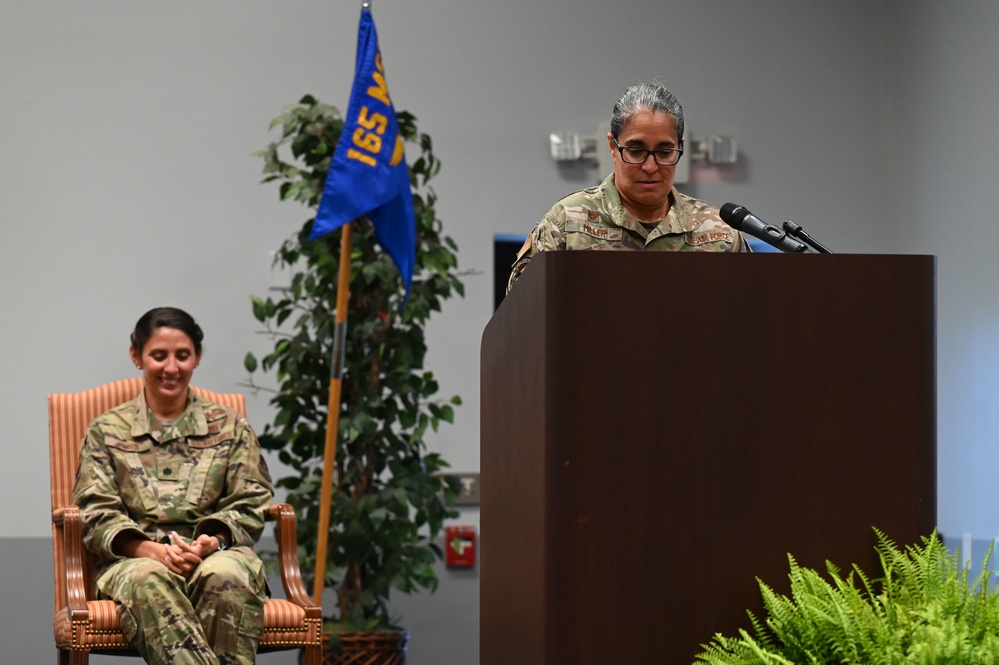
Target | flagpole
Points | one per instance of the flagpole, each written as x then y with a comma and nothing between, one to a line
349,171
333,411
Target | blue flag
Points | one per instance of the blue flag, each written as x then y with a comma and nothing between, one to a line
368,175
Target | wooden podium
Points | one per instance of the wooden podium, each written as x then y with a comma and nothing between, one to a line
659,430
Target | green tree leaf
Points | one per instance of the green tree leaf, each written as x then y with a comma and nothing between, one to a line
388,506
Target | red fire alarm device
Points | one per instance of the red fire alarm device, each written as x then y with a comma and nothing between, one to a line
460,549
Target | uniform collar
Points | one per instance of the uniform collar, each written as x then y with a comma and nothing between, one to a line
676,220
191,422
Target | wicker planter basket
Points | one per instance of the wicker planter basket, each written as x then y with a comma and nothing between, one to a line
367,649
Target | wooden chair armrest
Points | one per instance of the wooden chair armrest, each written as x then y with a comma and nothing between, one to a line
67,519
291,575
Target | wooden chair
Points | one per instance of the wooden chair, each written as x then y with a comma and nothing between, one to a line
84,624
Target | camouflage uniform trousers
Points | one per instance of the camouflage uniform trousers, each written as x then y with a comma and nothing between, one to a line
214,617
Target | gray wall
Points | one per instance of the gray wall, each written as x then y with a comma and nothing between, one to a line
126,182
941,182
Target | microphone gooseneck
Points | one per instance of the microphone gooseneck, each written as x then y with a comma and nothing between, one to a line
799,233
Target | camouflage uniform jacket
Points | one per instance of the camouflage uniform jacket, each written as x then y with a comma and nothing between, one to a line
595,218
194,476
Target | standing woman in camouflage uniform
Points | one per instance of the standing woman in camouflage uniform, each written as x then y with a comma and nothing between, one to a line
636,207
172,491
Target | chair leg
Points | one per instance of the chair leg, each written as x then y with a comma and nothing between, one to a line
73,657
313,655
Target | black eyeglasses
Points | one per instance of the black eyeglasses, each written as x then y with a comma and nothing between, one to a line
634,155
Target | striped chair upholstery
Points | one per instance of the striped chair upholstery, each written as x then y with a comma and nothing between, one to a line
84,624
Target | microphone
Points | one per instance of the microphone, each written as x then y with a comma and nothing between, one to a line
799,233
743,220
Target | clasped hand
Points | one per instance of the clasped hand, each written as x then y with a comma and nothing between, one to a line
179,556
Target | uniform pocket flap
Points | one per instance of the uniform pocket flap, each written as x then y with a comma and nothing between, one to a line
209,441
127,446
594,230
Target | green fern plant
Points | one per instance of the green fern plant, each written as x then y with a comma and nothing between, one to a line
923,610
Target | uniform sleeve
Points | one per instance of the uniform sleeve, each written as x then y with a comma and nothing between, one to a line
740,245
248,492
547,236
102,511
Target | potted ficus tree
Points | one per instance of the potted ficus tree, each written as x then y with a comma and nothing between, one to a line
391,496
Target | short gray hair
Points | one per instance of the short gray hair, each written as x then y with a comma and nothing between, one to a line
651,96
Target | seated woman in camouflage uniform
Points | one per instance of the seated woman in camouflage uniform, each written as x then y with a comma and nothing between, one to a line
636,207
172,491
